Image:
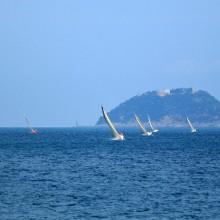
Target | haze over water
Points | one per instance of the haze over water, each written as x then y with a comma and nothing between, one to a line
80,173
60,60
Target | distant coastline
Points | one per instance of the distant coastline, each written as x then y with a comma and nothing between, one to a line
169,108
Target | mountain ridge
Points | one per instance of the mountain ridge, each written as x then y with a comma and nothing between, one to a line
168,108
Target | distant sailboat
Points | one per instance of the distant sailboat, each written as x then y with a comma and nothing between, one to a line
193,130
151,126
117,135
33,131
145,132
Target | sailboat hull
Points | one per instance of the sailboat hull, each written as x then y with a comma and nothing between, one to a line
118,135
119,138
147,134
193,130
151,126
33,131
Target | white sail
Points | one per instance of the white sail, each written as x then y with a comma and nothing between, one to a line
190,125
33,131
117,135
145,133
151,126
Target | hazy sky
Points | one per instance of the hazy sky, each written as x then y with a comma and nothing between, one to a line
60,60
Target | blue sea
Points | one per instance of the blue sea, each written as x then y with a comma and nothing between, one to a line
80,173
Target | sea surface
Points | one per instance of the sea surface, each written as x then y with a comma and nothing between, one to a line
80,173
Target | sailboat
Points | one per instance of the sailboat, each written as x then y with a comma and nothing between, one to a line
117,135
193,130
145,132
151,126
32,130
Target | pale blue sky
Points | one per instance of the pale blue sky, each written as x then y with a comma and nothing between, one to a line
60,60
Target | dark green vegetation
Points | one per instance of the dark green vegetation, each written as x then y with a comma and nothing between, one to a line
169,108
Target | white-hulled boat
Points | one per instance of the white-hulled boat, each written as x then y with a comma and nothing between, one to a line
193,130
117,135
151,126
32,130
145,132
